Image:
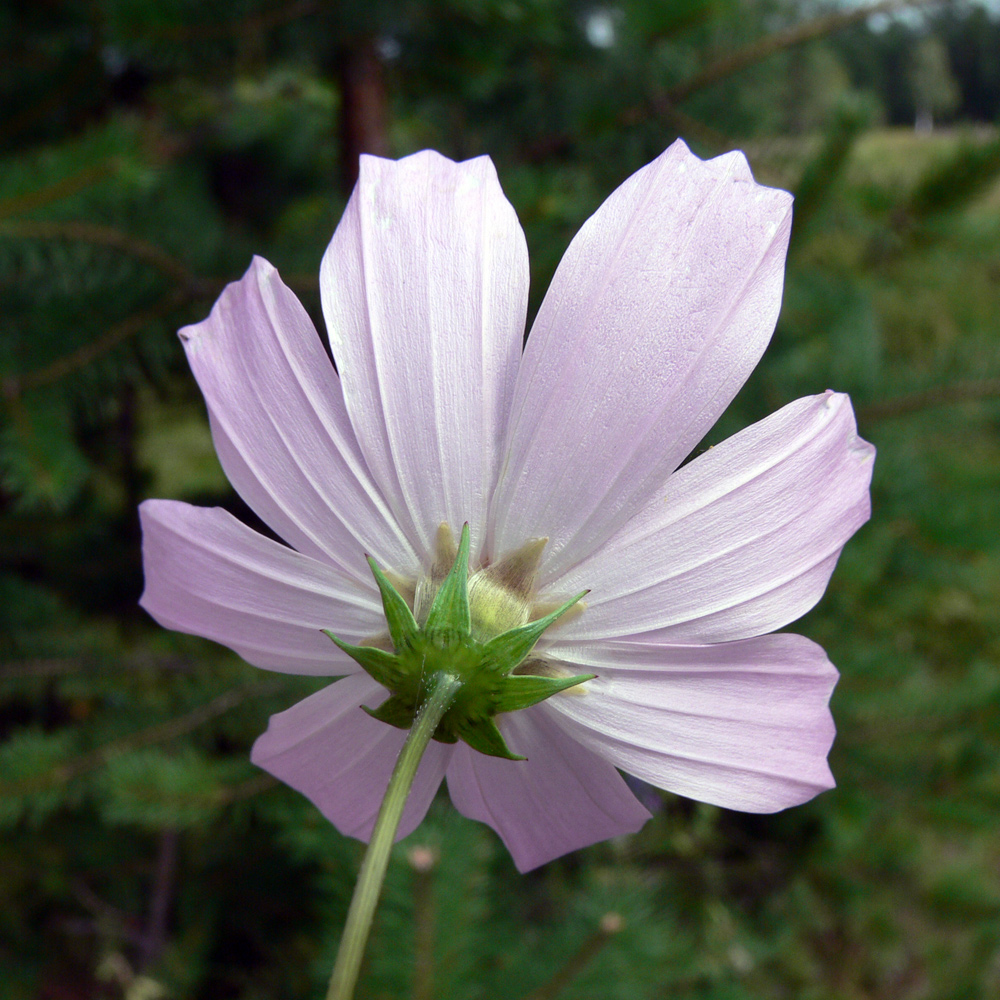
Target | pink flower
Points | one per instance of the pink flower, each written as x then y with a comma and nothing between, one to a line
656,316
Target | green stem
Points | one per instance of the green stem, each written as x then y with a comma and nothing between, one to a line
441,692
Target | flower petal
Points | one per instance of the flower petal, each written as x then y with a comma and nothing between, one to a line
745,725
561,798
742,540
340,758
657,314
280,427
208,574
424,290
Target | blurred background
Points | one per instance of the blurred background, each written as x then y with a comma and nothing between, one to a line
147,149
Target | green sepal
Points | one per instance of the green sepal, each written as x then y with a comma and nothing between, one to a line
393,711
483,735
403,628
377,663
481,672
509,649
524,690
399,712
450,610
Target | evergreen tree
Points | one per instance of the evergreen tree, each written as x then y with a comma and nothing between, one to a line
146,151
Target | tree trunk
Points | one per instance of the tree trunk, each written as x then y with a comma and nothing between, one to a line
363,107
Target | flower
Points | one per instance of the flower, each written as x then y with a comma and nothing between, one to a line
567,457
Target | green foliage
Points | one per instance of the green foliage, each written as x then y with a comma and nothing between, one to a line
42,465
825,167
969,170
147,150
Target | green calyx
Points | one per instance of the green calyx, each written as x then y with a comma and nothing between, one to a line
451,641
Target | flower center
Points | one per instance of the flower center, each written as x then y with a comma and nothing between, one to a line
479,630
502,595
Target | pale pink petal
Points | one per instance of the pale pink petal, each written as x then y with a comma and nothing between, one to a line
561,798
660,309
340,758
208,574
424,291
281,430
740,541
745,725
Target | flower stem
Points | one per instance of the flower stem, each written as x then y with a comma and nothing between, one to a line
441,691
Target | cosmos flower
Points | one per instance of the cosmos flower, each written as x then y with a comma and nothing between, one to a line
565,462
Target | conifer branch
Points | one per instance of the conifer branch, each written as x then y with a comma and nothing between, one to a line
59,190
58,666
111,338
956,392
778,41
105,913
160,733
662,101
48,105
245,789
96,234
610,925
189,288
257,22
683,124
